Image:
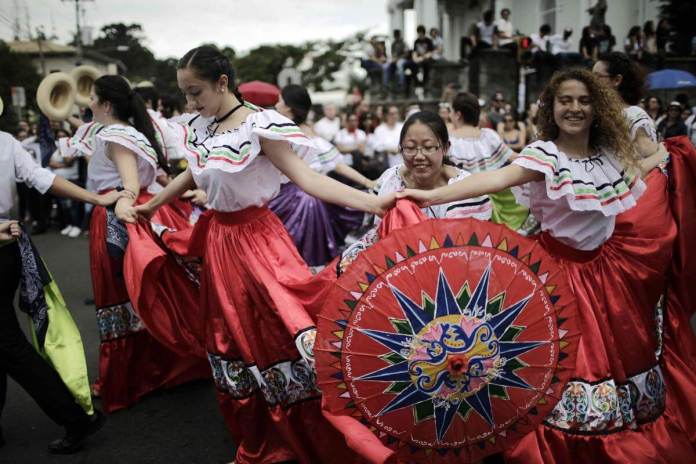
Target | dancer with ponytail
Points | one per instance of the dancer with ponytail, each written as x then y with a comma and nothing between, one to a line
125,155
254,284
479,150
317,228
625,403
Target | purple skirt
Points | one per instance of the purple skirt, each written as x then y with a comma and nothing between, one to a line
317,228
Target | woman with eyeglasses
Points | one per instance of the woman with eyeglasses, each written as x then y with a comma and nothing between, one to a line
424,144
513,132
477,149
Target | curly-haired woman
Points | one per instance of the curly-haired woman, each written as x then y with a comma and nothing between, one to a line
627,401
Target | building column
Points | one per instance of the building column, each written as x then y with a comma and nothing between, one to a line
427,13
396,16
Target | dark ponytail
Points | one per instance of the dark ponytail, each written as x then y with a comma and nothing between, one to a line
209,64
128,105
298,100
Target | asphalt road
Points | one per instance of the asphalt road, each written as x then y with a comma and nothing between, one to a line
181,425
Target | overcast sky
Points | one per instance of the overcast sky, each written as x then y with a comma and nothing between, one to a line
172,26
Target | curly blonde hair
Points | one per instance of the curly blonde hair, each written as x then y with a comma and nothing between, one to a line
609,130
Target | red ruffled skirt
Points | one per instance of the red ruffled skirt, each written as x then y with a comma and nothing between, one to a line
259,337
132,363
631,398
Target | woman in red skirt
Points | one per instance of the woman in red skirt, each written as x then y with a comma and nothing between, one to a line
124,156
626,402
254,284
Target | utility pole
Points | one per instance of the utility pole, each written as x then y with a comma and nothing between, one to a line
39,37
16,27
78,31
27,20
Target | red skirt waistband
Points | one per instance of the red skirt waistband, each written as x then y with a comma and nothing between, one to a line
563,251
239,217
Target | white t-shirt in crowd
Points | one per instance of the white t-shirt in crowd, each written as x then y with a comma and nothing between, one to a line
539,43
327,128
17,165
505,29
349,141
70,172
387,139
558,45
486,32
32,146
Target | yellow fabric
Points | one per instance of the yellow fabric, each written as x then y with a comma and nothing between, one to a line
63,347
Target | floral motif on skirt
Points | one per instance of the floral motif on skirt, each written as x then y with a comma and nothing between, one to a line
607,406
118,321
284,383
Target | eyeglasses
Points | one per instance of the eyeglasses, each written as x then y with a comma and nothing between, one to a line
427,151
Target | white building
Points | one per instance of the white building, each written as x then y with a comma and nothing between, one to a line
50,57
454,18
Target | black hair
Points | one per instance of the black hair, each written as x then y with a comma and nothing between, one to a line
397,32
209,64
504,10
634,31
127,105
170,105
433,121
148,93
586,32
649,28
420,29
682,98
468,105
632,85
545,29
297,99
488,16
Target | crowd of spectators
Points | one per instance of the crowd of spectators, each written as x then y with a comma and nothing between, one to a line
400,69
368,136
404,68
40,211
40,140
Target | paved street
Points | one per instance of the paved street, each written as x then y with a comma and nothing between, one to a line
182,425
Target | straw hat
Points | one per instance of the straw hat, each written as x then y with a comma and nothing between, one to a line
84,77
56,96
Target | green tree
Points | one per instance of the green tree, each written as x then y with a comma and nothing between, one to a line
263,63
17,70
125,42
